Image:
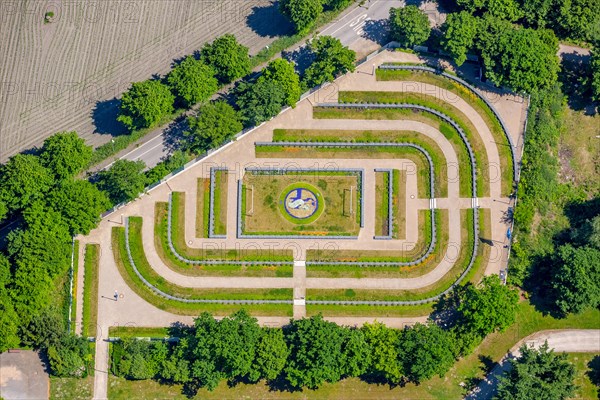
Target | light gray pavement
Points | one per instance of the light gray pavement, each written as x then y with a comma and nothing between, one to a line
238,155
22,376
567,340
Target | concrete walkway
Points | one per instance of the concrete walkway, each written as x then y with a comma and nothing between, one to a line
132,310
567,341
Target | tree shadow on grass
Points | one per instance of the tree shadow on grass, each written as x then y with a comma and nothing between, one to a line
302,57
575,76
267,21
594,371
105,115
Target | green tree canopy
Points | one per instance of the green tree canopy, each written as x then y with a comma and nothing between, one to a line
491,306
23,180
3,210
383,344
537,374
315,352
409,25
302,13
509,59
123,181
65,154
145,104
227,57
460,31
271,354
330,59
579,19
595,66
81,203
215,124
192,81
356,354
506,9
425,351
9,320
335,4
260,101
282,72
69,357
576,281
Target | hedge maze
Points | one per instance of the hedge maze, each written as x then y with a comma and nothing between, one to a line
377,203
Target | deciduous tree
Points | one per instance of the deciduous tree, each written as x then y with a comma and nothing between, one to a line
260,101
595,67
145,104
215,124
315,352
123,181
409,25
302,13
23,180
81,203
229,59
192,81
330,59
383,345
460,30
65,154
425,351
487,308
271,354
282,72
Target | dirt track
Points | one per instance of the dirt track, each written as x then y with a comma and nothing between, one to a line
65,75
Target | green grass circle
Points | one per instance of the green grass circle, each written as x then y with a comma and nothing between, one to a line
301,221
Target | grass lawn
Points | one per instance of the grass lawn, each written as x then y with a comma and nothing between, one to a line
71,388
333,194
431,101
184,268
466,371
430,145
399,203
382,195
134,331
470,98
220,202
179,307
579,150
208,253
73,315
90,290
202,208
352,271
586,388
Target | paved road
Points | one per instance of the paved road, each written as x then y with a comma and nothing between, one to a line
567,340
349,29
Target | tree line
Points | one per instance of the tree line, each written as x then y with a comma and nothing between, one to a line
311,351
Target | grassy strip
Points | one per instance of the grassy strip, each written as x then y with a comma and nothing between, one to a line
399,203
335,310
382,195
367,136
201,212
212,253
136,331
468,370
90,290
426,292
429,264
220,202
586,389
182,308
441,105
485,232
422,244
136,246
164,252
72,388
414,155
506,162
73,315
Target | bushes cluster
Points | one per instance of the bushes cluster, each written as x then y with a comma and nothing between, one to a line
311,351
